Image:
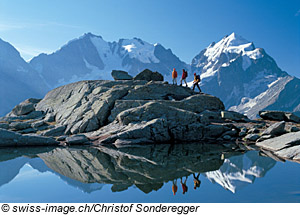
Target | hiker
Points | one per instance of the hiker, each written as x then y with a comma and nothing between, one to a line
184,187
174,76
174,187
197,182
183,77
196,82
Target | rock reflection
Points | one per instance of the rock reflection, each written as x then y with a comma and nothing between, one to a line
147,167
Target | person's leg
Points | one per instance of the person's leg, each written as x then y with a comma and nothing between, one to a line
181,82
185,82
199,88
194,86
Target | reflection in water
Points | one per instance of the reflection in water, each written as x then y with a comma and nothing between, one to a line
147,167
239,171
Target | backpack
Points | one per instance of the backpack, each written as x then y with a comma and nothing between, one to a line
186,73
198,77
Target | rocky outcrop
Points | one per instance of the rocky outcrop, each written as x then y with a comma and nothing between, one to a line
148,75
279,116
131,112
120,75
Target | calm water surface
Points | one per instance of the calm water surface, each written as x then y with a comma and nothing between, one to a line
145,174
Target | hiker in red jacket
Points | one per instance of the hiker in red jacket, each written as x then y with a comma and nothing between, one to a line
183,184
174,76
183,77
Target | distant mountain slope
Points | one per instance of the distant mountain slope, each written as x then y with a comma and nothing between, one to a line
90,57
18,80
245,78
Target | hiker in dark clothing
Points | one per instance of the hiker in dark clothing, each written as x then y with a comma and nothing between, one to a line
197,182
183,77
196,82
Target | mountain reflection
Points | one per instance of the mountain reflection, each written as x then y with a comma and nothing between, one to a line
147,167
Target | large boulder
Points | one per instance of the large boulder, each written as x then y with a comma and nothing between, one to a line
24,107
286,146
83,106
275,130
148,75
196,103
279,116
120,75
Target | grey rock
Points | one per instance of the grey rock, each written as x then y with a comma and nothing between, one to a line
120,75
253,131
23,108
292,129
61,138
281,142
264,137
10,138
148,75
33,100
4,125
35,114
292,153
252,137
53,132
227,137
233,132
50,118
78,139
158,91
19,125
35,140
234,116
208,116
122,105
275,130
279,116
243,132
28,130
215,131
153,110
38,124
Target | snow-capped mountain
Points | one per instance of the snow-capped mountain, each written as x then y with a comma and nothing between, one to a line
91,57
18,80
239,171
235,71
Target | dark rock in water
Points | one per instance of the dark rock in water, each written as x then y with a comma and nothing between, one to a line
10,138
275,130
120,75
78,139
148,75
279,116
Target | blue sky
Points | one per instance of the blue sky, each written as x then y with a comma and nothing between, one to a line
185,26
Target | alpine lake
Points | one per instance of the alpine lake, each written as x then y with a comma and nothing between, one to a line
146,173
